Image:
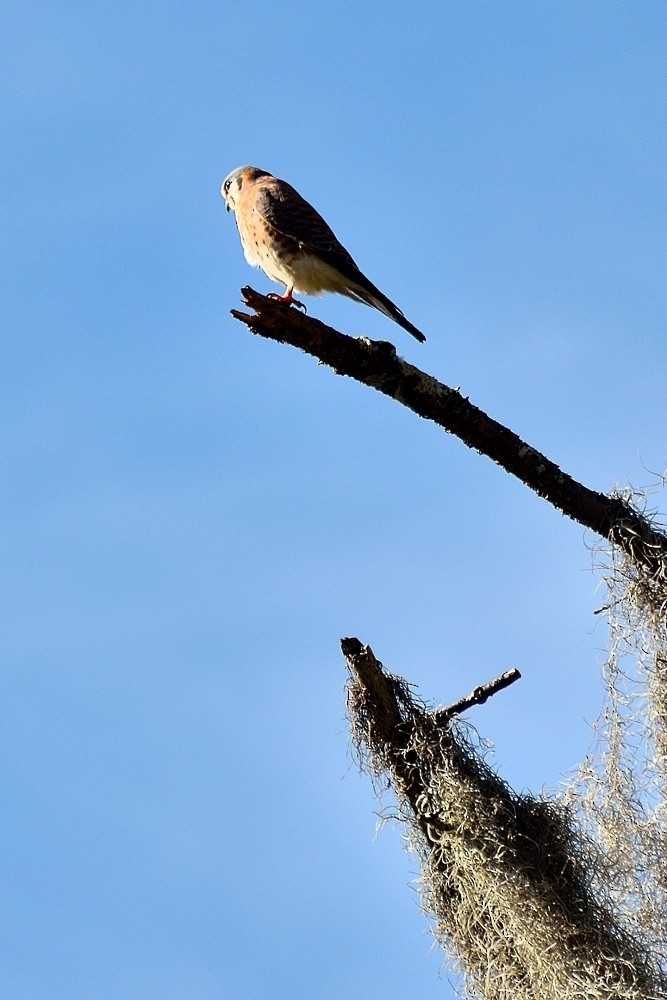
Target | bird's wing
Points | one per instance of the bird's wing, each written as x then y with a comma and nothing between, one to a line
285,211
283,208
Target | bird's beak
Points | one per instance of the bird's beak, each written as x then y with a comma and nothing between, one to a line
227,206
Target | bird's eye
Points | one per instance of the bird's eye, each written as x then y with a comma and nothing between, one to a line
226,186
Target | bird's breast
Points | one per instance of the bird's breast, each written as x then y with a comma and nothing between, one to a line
284,259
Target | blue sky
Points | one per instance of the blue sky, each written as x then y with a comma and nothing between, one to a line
192,518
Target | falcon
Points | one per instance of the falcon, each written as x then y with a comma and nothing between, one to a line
285,236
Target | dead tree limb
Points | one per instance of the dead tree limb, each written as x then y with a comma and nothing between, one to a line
515,891
518,893
376,364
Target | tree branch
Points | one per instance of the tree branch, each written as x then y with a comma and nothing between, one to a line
508,880
377,684
376,364
480,695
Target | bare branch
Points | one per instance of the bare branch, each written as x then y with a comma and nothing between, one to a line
478,696
376,364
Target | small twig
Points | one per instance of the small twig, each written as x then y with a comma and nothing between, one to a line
478,696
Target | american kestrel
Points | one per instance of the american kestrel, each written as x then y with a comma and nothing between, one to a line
286,237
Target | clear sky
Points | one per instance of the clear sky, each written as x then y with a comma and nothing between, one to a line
193,517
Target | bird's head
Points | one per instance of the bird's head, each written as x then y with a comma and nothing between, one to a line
233,183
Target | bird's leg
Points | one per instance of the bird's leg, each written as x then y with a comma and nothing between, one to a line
287,298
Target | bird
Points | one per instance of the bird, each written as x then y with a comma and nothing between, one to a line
288,238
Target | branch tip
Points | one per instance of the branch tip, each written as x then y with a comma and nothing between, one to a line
481,694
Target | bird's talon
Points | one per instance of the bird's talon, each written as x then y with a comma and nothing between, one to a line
288,299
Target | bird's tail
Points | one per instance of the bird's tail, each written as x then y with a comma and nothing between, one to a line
372,296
